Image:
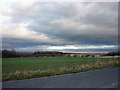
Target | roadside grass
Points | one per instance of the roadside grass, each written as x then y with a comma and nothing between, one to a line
98,64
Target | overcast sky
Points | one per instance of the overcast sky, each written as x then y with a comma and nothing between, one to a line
67,27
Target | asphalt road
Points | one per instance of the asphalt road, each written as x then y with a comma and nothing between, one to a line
104,78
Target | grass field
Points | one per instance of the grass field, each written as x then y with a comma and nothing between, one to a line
45,66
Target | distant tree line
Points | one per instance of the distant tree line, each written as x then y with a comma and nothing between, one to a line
112,54
47,52
9,53
13,53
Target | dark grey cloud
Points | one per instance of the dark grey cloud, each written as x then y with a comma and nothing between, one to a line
100,20
60,24
9,43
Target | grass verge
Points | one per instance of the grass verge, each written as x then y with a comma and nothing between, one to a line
19,75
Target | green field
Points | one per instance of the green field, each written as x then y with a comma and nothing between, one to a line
53,65
44,63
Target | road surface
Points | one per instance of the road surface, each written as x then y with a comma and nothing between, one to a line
103,78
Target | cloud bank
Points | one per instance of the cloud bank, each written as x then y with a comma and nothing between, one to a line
72,27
